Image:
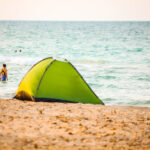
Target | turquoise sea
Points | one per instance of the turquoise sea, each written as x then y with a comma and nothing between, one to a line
113,57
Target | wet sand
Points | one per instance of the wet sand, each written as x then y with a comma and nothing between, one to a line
64,126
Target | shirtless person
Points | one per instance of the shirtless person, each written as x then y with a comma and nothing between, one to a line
3,73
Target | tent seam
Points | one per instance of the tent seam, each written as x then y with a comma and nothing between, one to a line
43,76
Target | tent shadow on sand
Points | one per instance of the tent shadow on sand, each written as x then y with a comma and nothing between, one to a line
53,80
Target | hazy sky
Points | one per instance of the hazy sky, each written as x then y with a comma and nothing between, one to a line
74,9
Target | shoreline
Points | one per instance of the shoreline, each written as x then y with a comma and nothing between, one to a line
42,125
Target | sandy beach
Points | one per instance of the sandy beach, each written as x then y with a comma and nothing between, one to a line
65,126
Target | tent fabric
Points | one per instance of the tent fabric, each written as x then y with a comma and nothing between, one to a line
55,81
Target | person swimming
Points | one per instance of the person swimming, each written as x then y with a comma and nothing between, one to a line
18,51
3,73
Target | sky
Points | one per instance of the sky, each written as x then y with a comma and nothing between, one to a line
85,10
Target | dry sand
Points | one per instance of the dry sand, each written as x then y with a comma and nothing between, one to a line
40,125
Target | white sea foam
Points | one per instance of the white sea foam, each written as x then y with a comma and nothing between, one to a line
18,60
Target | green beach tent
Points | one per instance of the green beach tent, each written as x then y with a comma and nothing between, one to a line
55,81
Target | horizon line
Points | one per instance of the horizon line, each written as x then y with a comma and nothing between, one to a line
78,20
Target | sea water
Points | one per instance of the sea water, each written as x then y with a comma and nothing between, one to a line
113,57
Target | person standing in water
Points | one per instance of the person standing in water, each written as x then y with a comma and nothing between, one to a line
3,73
